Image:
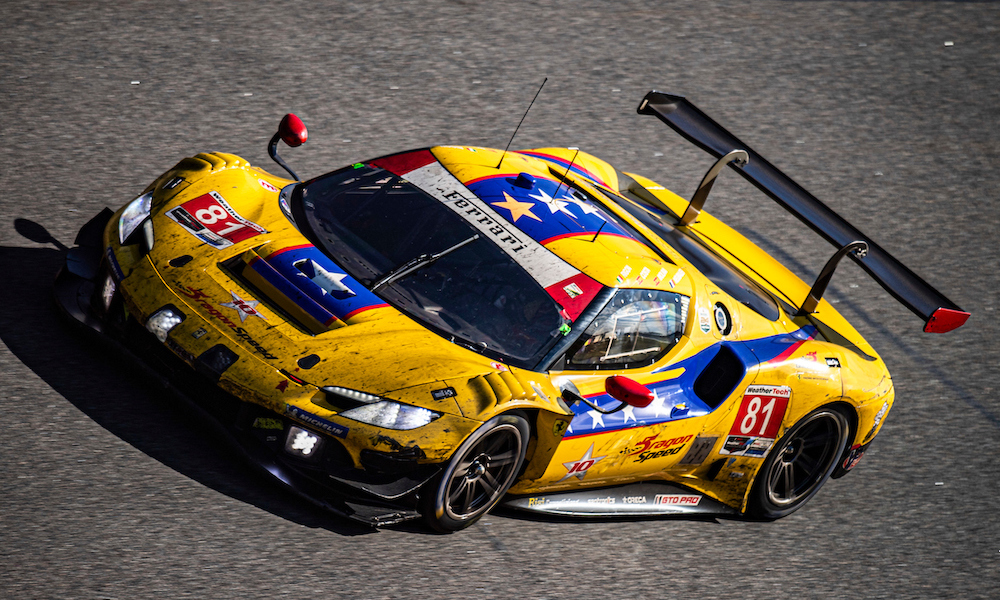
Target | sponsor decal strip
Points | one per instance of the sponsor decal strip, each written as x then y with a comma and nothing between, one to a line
210,218
203,300
310,419
674,388
550,271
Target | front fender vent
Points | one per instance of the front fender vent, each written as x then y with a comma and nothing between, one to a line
719,378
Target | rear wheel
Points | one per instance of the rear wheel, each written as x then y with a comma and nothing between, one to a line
799,464
478,475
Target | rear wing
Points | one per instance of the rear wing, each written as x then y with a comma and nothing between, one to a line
939,313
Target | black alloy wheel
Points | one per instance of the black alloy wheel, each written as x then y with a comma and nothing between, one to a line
478,475
799,464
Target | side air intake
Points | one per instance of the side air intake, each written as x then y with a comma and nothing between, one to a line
719,378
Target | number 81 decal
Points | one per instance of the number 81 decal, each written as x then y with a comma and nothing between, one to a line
758,420
210,218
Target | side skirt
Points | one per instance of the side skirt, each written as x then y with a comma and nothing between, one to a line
630,500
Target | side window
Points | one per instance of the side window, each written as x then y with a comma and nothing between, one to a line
635,329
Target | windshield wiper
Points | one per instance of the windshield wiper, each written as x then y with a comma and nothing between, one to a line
418,263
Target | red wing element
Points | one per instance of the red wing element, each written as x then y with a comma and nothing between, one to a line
946,319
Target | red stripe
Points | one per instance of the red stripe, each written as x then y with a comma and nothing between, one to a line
586,234
363,309
788,352
289,248
401,164
562,162
574,306
494,176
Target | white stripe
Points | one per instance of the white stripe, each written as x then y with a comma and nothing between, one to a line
543,265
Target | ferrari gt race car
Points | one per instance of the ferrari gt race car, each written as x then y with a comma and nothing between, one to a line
431,333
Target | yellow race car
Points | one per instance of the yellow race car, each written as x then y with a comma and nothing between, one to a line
431,333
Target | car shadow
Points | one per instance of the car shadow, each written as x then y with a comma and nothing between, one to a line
136,410
123,402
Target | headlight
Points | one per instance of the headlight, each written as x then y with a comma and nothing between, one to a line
132,217
163,321
391,415
302,442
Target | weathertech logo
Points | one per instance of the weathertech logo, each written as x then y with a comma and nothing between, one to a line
677,499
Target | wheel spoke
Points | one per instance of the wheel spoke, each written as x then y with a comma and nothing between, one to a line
469,497
807,463
788,474
777,475
817,441
463,484
490,444
489,483
504,459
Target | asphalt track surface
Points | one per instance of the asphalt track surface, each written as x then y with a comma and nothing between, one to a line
887,111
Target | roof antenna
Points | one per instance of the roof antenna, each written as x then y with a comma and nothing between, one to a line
568,169
598,232
519,123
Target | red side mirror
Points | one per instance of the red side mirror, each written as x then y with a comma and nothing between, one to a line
628,391
293,131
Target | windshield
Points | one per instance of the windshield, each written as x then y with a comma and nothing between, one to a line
372,222
634,329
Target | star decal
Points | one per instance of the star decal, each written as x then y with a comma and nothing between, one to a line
517,209
586,207
554,204
328,281
657,404
629,413
245,308
597,417
579,468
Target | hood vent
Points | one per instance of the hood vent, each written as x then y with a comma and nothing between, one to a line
280,294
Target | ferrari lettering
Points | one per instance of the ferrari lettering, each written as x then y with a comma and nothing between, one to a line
488,224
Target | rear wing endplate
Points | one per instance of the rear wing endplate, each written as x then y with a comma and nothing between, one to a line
939,313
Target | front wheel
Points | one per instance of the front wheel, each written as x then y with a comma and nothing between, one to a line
478,475
799,464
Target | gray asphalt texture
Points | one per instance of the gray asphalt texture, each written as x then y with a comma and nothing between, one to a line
887,111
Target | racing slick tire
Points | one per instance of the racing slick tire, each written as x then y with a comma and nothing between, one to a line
478,474
799,464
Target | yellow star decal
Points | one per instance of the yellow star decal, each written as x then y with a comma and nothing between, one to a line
517,209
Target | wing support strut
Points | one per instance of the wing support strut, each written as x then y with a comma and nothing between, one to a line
938,312
856,248
740,157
